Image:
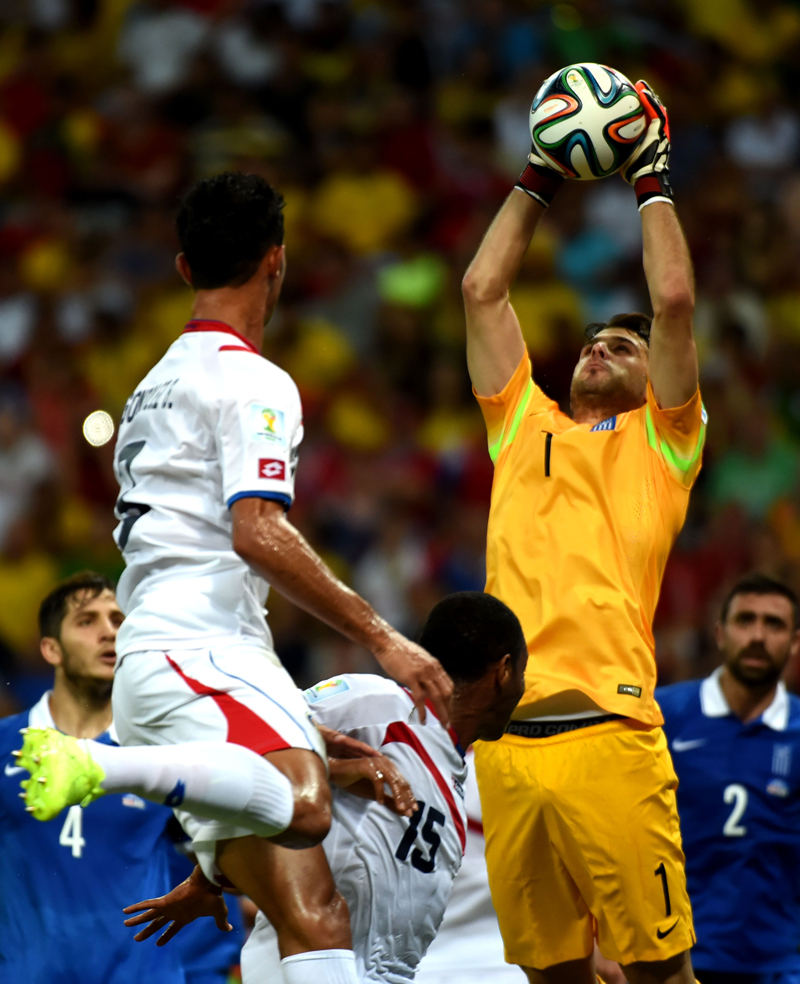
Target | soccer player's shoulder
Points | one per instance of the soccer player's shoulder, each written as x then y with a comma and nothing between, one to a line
678,699
235,363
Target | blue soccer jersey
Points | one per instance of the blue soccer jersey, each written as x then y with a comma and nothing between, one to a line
65,883
739,805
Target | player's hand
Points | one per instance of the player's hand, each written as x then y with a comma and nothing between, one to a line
341,746
651,157
194,897
417,670
369,777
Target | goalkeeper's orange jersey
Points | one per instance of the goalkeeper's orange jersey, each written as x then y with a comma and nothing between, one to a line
581,524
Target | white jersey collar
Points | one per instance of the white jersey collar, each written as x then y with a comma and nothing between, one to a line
40,716
714,704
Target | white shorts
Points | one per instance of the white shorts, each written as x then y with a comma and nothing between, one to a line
240,695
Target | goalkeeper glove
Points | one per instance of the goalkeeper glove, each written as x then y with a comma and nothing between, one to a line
538,180
648,169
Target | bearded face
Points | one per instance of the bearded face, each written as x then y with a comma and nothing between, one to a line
611,372
757,638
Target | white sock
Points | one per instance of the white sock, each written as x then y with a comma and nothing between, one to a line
318,966
213,779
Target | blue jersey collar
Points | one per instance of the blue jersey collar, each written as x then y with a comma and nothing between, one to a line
713,703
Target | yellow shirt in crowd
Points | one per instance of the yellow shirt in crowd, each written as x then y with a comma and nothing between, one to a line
582,521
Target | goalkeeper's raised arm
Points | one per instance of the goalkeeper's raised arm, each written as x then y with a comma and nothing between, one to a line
494,338
667,265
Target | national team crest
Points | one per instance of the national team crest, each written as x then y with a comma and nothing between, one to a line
267,424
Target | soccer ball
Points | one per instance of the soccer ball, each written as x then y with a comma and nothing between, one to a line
586,121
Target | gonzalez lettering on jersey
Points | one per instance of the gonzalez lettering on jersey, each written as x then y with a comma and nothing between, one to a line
157,397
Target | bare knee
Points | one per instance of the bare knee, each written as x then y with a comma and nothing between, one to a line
312,817
311,820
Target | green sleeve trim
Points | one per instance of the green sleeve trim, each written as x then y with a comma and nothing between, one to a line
505,439
681,465
523,406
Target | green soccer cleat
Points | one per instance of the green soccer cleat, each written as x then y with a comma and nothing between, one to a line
62,772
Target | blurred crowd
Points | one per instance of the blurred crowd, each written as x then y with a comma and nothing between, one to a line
394,129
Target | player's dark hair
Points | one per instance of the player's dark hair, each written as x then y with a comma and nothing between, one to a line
469,631
636,322
54,607
759,584
225,225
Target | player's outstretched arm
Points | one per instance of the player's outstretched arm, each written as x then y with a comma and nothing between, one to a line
494,339
269,543
667,265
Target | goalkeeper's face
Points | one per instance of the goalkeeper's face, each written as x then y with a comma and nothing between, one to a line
612,372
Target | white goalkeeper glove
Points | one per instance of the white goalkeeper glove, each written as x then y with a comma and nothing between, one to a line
648,169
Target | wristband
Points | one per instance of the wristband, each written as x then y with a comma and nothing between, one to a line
540,183
653,188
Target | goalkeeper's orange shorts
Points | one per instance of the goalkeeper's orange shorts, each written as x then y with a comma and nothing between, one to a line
583,842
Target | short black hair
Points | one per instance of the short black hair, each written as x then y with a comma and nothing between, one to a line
759,584
54,607
225,226
470,630
636,322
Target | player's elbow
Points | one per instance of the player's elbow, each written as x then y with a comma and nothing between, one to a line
245,544
674,303
480,288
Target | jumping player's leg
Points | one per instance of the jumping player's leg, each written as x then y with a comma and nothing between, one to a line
569,972
296,892
676,970
215,780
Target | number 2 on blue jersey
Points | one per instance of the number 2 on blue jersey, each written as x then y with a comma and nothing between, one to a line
429,835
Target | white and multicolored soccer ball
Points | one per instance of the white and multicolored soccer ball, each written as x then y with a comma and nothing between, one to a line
587,120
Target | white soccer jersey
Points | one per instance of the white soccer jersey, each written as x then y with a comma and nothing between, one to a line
468,946
211,423
395,873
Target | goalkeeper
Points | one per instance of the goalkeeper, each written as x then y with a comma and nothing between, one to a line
578,797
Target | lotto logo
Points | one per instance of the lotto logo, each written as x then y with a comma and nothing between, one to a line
272,468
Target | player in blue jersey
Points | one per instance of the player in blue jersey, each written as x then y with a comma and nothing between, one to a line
64,884
735,742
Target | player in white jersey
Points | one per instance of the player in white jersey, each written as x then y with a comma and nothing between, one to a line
396,873
468,948
205,459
